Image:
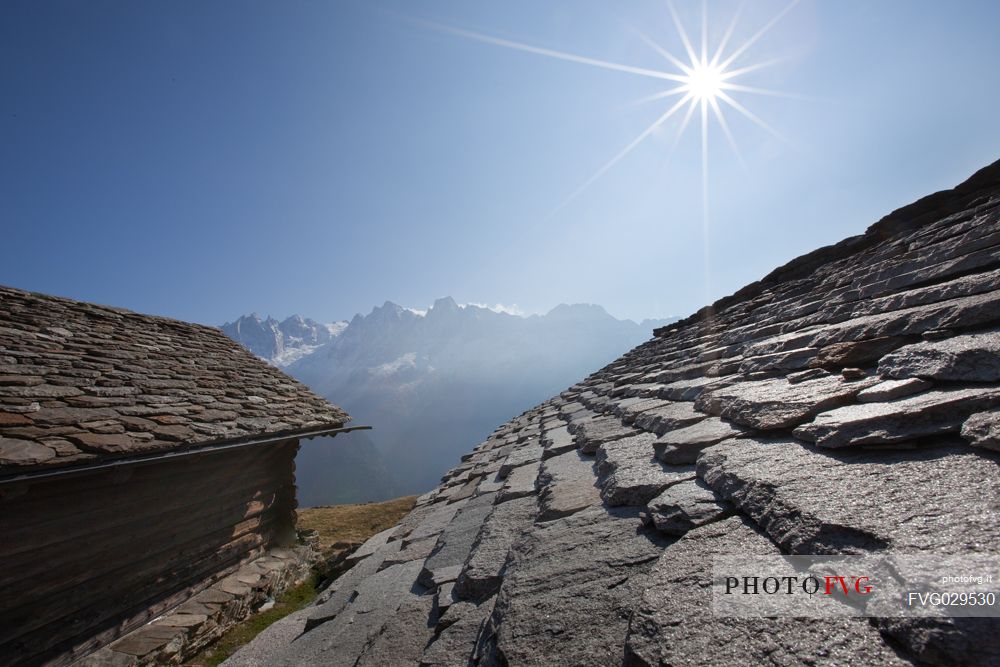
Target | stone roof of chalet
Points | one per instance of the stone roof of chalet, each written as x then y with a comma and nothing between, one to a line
81,382
845,404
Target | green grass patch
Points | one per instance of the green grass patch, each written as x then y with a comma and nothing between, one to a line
293,599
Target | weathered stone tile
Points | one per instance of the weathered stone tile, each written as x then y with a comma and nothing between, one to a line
684,506
557,441
968,358
342,639
456,540
689,390
630,474
566,484
371,545
983,430
684,444
528,453
674,624
593,434
629,413
777,404
893,389
813,502
403,636
424,522
410,550
569,589
520,483
668,417
456,645
931,413
480,576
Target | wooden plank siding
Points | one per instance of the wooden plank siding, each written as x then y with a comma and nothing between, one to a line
100,554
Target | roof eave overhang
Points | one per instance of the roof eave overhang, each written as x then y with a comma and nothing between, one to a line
159,457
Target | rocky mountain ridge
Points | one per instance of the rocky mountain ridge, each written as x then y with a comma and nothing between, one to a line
281,343
429,381
849,403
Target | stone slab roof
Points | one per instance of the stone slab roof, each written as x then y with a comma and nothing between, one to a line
81,382
848,403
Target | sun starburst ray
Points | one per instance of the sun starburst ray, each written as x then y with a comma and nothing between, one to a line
682,32
622,153
732,73
753,117
704,32
659,96
757,35
559,55
726,85
677,62
724,124
684,123
704,84
727,35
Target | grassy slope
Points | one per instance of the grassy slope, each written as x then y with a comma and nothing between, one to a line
337,526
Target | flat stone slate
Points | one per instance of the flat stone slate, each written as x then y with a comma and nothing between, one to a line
983,430
458,537
968,358
630,474
893,389
371,545
520,483
638,406
776,403
528,453
684,506
480,576
403,636
426,522
968,311
945,499
689,390
262,649
668,417
683,445
411,550
593,434
566,484
674,623
457,643
569,588
931,413
577,419
337,595
341,640
619,406
556,441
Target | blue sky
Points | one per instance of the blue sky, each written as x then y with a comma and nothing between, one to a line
203,160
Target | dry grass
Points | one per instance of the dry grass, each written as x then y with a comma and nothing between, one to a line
353,523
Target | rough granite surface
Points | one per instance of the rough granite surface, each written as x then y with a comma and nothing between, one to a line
846,403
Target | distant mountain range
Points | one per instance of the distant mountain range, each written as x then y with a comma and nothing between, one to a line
431,382
281,343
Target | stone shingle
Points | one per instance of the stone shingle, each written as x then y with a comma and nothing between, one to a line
111,383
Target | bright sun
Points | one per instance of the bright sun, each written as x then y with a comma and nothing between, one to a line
704,82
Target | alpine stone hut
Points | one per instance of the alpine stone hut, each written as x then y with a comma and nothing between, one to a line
141,460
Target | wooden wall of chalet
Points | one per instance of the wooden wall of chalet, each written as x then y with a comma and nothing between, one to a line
87,558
